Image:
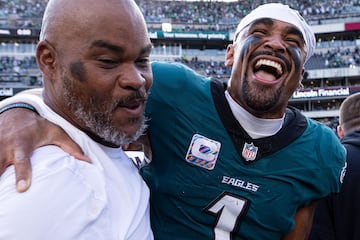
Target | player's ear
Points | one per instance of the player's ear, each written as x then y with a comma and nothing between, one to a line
229,56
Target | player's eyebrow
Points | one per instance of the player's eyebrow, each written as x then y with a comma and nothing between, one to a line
270,22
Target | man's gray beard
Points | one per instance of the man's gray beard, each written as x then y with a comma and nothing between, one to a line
98,121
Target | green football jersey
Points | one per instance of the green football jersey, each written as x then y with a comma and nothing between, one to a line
210,180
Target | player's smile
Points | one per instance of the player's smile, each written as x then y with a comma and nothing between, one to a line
267,69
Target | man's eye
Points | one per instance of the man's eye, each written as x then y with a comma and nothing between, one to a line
143,60
293,41
259,31
107,61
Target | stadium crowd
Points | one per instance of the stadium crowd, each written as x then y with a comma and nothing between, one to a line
338,54
226,15
216,15
342,57
10,64
335,57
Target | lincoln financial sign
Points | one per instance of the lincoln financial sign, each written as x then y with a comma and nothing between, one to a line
321,92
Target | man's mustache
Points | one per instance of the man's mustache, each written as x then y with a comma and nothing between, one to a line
138,96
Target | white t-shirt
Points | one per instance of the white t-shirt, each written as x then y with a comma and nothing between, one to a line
74,200
71,199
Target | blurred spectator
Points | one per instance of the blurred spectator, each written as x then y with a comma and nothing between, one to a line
337,216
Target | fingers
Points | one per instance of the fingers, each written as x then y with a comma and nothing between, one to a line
69,146
23,174
57,136
15,156
21,132
16,144
22,148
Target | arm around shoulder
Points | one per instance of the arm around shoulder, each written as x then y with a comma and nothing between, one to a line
22,131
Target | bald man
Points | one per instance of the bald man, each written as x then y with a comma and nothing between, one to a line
94,57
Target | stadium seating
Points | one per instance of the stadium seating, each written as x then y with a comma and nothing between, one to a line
18,66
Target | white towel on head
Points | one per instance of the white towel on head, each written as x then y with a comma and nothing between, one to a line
283,13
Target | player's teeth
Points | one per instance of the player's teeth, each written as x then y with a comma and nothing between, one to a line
270,63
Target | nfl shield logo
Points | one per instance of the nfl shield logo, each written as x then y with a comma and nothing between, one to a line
249,151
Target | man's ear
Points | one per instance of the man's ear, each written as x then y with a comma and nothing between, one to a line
45,57
229,56
340,131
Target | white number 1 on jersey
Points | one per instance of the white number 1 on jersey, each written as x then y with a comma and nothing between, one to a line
228,208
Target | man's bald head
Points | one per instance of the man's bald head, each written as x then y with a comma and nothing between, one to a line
94,56
63,19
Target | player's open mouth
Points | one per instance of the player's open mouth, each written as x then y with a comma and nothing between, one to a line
268,69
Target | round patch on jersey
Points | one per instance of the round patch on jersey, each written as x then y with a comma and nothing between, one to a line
203,152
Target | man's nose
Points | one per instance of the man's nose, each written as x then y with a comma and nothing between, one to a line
132,78
276,43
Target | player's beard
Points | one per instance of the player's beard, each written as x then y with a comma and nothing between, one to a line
92,114
260,98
